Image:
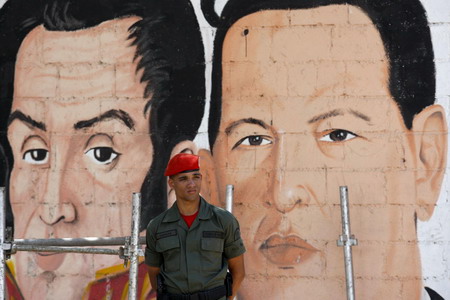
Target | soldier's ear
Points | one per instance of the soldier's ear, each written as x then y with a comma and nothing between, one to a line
182,147
209,183
430,136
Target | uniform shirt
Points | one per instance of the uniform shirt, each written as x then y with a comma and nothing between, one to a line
193,259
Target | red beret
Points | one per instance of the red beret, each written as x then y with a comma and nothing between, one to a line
181,163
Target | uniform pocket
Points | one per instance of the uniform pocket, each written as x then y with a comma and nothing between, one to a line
170,248
212,250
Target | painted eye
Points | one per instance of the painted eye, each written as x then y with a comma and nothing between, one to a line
338,135
102,155
254,140
36,156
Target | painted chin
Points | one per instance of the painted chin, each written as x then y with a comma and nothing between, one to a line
49,261
287,250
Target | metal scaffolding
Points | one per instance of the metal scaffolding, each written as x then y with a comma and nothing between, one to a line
129,249
229,197
134,246
347,240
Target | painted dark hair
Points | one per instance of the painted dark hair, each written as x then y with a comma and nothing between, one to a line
170,54
403,28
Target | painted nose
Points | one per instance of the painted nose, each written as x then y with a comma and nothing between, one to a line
56,205
288,193
289,179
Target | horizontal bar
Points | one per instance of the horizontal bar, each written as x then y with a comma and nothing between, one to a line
32,248
77,242
55,249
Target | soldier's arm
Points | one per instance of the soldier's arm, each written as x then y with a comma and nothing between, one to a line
152,273
237,270
153,259
234,250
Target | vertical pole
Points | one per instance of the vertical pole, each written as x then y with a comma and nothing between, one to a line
136,214
229,204
347,241
2,240
229,198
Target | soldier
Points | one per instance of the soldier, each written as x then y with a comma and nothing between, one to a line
191,245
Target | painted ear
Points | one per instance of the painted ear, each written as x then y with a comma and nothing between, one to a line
430,130
182,147
209,183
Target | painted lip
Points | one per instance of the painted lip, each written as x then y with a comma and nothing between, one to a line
287,250
49,261
46,253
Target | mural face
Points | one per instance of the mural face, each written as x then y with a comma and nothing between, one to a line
79,153
306,109
88,96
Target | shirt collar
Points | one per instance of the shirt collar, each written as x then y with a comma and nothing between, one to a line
173,213
205,212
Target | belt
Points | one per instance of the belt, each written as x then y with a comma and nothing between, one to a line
212,294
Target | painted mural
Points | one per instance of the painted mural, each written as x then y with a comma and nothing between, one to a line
308,96
95,96
301,97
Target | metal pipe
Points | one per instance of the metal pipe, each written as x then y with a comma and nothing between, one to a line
347,240
79,242
134,245
58,249
229,197
66,245
2,240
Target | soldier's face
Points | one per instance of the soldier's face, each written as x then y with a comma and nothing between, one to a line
307,109
81,146
186,185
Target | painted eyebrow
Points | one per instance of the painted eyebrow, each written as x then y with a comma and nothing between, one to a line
359,115
338,112
18,115
110,114
246,121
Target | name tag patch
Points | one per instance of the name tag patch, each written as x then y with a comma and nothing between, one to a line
165,234
213,234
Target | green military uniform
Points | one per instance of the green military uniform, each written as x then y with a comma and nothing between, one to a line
193,259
